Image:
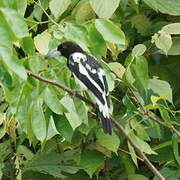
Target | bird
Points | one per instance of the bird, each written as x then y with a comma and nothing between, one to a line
90,75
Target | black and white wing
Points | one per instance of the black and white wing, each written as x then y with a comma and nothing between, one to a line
90,73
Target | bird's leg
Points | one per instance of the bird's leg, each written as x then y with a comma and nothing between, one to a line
75,92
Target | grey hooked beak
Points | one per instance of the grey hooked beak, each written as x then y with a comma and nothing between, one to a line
53,53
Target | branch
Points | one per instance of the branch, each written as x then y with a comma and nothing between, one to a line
119,127
154,117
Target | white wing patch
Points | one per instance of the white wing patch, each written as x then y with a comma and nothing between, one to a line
83,71
78,56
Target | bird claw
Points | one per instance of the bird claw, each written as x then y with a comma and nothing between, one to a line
75,92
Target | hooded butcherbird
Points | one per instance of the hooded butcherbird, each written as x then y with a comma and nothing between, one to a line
89,74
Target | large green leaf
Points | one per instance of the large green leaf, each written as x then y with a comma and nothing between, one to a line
77,33
63,127
83,11
104,8
173,28
28,45
138,50
71,115
16,22
161,88
12,63
96,41
38,120
41,42
171,7
54,164
6,34
57,7
145,147
91,161
140,72
110,32
163,42
52,101
109,142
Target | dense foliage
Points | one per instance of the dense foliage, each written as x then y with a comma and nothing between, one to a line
46,133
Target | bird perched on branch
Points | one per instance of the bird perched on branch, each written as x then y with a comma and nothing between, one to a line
89,74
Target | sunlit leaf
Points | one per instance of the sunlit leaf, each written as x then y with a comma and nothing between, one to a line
104,8
110,31
57,7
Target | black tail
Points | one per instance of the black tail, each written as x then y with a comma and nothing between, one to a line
106,124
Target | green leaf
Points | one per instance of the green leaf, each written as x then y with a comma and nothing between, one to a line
96,41
71,115
77,33
1,172
145,147
12,63
6,34
138,50
37,63
174,50
133,154
23,150
41,42
82,110
164,114
57,165
83,11
5,77
163,42
142,24
2,125
52,101
5,150
16,22
110,31
137,177
57,7
117,68
173,28
167,7
51,130
91,161
175,144
169,173
161,88
63,127
21,6
140,129
140,72
104,8
109,142
38,121
28,46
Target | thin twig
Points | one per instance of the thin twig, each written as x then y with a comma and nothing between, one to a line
117,125
40,5
154,117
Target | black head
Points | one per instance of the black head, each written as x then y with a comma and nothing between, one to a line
65,49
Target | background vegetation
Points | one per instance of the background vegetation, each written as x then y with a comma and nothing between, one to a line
45,133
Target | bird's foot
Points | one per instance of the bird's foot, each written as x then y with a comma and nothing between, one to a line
75,92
